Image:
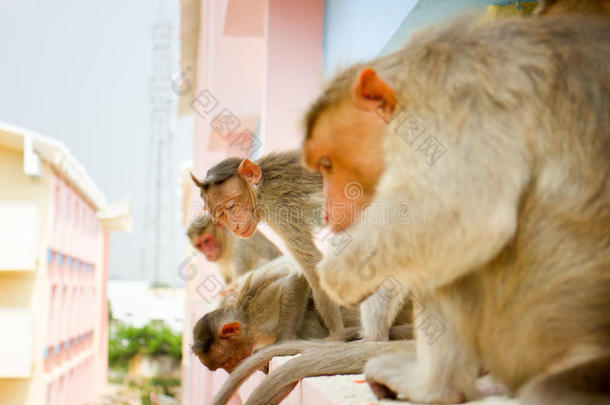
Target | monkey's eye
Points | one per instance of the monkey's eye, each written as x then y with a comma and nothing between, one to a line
324,164
206,240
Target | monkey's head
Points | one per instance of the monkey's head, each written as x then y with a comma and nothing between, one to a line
344,133
220,341
203,235
229,194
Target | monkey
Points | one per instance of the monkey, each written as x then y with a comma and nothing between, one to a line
555,7
224,337
241,193
234,256
316,359
251,320
496,135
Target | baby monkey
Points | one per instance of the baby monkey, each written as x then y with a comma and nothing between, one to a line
251,318
256,316
234,256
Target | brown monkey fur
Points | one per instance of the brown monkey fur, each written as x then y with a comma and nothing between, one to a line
250,320
240,193
256,316
512,255
234,256
279,191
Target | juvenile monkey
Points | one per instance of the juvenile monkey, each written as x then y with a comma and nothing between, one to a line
278,190
554,7
234,256
497,136
253,318
250,320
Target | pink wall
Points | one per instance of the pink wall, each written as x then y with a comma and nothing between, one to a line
274,77
71,360
293,69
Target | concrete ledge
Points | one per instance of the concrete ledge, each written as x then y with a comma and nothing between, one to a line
332,390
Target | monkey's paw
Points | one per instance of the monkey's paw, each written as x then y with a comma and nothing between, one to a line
397,375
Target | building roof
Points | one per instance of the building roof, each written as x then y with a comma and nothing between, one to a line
37,147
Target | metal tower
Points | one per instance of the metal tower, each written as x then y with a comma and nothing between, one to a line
157,254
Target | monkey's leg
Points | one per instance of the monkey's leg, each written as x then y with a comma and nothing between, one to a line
585,384
377,313
438,371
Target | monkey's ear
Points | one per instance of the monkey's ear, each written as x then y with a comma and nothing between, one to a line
230,329
371,92
196,181
250,171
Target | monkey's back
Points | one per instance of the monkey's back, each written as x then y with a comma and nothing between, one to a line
289,192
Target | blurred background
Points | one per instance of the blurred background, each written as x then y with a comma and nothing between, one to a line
105,107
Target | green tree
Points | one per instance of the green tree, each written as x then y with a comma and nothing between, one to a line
154,338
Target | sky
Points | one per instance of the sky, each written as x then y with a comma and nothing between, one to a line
78,71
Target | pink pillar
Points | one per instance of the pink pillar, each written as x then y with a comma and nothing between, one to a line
294,68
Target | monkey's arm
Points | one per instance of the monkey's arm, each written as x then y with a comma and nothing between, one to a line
445,220
349,358
302,247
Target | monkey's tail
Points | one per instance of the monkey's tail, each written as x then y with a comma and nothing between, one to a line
347,358
262,357
397,332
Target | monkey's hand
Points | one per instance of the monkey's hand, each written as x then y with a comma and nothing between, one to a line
399,375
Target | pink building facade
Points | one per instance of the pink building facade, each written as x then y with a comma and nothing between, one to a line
77,344
250,86
53,273
250,69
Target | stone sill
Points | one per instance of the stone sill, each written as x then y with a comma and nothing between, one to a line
332,390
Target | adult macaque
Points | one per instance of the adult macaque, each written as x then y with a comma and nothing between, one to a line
497,136
234,256
278,190
554,7
317,358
